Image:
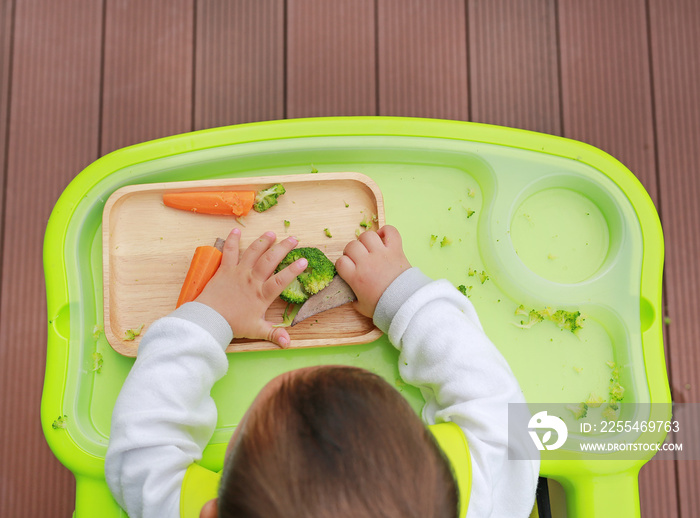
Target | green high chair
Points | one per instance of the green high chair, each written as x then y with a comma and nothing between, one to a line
517,218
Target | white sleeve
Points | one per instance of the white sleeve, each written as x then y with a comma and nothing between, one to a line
164,415
464,379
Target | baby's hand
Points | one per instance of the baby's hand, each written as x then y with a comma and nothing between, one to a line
370,264
242,290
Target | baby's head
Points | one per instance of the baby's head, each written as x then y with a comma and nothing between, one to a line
335,442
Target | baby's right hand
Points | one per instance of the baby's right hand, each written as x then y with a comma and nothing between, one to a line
370,264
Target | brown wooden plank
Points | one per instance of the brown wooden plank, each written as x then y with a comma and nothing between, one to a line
422,57
148,67
239,62
606,81
6,12
513,64
657,490
330,58
53,133
674,45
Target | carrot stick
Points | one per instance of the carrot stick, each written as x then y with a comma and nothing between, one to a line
205,262
236,203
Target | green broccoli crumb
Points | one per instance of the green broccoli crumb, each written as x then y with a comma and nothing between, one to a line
464,290
433,240
357,232
366,223
97,330
471,272
610,412
483,277
286,223
96,362
534,318
131,334
471,193
470,213
267,198
60,422
617,391
327,232
445,242
594,400
346,204
580,411
578,370
313,169
571,320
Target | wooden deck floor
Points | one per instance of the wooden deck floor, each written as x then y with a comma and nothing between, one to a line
80,78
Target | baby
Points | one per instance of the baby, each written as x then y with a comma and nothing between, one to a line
324,441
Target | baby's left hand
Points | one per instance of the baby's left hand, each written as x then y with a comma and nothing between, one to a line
242,290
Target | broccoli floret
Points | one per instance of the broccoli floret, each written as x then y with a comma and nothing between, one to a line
594,400
286,223
96,362
617,391
610,412
483,277
571,320
131,334
547,313
464,290
520,310
567,320
60,422
366,223
295,293
318,274
97,330
268,197
580,411
535,318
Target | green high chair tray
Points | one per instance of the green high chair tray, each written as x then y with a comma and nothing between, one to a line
518,218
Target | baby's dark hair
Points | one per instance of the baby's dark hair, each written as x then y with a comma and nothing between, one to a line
337,442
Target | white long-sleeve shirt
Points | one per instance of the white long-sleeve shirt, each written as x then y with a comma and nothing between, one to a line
164,415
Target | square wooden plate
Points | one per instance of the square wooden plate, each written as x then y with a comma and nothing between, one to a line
147,249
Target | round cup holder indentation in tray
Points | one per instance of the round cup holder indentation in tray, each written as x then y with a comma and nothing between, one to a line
566,229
